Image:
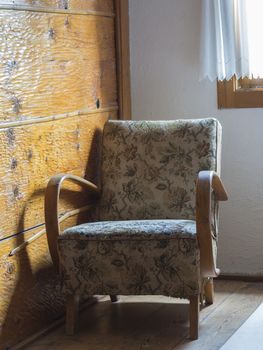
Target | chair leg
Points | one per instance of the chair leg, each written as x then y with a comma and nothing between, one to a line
72,313
194,316
209,292
113,298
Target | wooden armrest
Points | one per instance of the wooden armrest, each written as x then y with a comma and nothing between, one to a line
208,182
51,208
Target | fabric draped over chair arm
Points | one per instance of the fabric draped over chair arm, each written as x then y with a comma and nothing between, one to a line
208,183
52,196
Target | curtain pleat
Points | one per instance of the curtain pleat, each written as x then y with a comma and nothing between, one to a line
224,40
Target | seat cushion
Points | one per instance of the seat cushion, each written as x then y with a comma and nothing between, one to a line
151,257
132,229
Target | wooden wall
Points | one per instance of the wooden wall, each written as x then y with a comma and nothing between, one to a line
57,89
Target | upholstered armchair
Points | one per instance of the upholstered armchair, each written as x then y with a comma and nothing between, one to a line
156,230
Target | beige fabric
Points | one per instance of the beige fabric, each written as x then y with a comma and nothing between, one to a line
145,241
149,168
131,257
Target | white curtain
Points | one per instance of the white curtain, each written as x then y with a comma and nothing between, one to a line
254,14
224,39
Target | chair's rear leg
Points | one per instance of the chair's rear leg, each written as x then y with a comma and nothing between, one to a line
113,298
209,292
194,316
72,313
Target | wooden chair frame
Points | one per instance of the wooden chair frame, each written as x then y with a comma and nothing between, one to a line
208,182
52,208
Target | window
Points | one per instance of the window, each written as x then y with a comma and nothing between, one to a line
232,51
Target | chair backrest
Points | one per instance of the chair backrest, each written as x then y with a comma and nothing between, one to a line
149,168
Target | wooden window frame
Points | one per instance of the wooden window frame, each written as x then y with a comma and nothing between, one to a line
231,94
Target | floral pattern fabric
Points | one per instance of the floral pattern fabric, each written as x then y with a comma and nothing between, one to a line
149,168
158,257
145,239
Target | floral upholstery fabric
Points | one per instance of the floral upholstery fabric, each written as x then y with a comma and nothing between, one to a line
149,169
145,239
158,257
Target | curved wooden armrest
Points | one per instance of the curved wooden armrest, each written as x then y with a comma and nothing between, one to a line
207,182
51,208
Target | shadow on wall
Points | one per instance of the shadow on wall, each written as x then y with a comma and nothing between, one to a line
30,288
37,299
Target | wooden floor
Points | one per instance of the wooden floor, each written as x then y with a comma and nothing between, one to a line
151,323
249,335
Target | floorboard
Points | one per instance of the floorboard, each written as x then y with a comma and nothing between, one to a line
151,323
249,335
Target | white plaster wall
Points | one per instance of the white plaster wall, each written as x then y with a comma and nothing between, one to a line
164,39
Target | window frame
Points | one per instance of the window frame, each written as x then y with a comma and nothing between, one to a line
231,94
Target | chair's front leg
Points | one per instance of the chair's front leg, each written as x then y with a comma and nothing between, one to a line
113,298
72,313
194,308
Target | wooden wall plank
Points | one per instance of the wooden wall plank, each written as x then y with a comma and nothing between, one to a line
123,57
51,64
95,5
88,5
29,286
30,291
71,60
33,154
